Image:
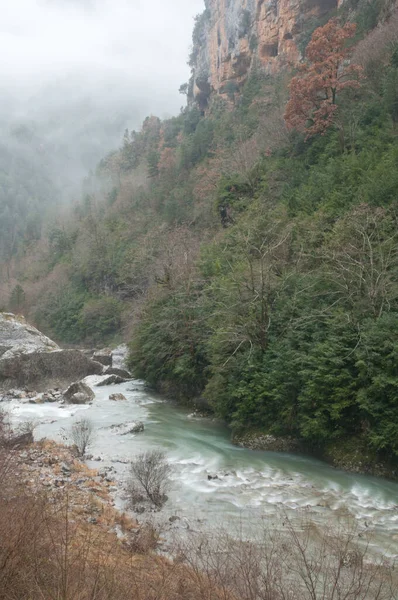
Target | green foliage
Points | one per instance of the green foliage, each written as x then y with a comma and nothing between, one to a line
285,320
100,318
61,243
153,162
167,349
197,145
192,118
231,89
72,316
245,23
368,15
233,196
376,361
201,21
17,298
390,92
253,43
60,314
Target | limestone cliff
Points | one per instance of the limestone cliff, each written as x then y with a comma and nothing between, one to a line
232,36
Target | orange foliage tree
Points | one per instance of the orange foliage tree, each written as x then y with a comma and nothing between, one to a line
313,93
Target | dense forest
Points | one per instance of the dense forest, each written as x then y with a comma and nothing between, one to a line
250,253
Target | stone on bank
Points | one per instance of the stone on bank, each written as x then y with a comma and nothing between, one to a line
29,357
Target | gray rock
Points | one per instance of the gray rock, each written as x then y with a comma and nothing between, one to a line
78,393
126,428
120,372
29,356
66,471
267,442
112,380
174,518
104,357
117,397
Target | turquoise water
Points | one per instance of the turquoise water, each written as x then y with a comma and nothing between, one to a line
249,486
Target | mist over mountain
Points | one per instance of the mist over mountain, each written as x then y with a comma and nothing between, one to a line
76,75
79,72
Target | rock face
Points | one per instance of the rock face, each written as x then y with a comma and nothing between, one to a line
18,337
27,356
233,36
78,393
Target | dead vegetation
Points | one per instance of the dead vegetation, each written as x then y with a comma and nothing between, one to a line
291,562
149,478
61,544
82,435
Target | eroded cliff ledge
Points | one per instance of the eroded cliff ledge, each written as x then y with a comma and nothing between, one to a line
232,36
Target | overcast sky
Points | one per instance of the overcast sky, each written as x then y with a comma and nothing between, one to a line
76,73
134,47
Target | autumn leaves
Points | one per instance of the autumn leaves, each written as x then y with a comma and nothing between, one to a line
314,92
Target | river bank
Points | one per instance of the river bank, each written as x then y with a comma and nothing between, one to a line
86,545
352,455
215,483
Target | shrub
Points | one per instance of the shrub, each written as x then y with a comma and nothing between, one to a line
150,474
82,435
17,298
100,318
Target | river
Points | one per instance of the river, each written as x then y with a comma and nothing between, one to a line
250,485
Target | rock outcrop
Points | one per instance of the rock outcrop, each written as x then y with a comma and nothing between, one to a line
234,36
104,357
117,397
29,357
262,441
127,428
112,380
119,372
78,393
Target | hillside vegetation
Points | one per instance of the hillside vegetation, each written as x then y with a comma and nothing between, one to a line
252,260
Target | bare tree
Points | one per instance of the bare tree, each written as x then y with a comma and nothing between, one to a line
82,435
4,427
150,474
291,562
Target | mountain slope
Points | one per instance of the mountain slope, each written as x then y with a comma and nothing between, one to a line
254,266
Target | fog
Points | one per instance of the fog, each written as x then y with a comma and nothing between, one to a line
76,73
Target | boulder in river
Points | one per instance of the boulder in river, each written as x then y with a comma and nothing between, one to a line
119,372
78,393
27,356
117,397
104,357
112,380
126,428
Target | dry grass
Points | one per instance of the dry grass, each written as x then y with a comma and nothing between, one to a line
61,544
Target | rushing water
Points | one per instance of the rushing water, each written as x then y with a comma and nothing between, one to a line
250,485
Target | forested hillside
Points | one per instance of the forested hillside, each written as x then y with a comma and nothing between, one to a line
249,252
